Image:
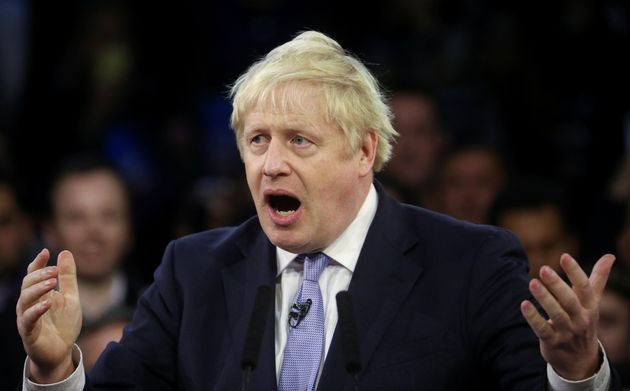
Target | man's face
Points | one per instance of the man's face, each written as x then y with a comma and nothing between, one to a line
91,220
419,146
470,183
306,187
15,230
542,233
614,326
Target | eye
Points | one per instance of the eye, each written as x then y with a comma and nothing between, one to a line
300,141
257,139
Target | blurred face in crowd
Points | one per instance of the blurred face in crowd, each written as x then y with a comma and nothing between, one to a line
614,326
307,187
15,230
470,182
417,151
91,219
542,233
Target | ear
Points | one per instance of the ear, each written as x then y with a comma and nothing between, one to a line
368,153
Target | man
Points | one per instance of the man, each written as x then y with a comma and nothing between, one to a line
470,179
535,212
90,216
420,146
436,300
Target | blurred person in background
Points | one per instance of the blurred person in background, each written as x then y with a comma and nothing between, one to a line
418,150
91,216
213,202
17,246
470,179
535,211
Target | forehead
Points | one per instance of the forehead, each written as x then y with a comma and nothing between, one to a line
101,184
299,99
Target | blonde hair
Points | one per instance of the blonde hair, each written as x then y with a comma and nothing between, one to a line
352,97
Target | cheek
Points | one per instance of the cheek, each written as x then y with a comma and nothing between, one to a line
118,234
72,234
252,177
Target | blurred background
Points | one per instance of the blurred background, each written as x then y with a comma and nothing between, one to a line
510,113
544,84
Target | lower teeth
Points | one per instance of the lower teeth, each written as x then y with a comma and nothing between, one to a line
285,212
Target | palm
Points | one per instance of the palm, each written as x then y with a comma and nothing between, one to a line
57,329
568,339
49,320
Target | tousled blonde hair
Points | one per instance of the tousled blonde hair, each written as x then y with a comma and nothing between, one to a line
352,98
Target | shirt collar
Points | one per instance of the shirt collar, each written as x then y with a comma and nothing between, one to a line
346,248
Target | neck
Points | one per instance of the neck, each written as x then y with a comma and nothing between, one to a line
96,295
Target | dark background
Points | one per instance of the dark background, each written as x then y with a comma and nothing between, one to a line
145,83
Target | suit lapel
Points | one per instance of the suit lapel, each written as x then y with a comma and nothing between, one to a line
383,277
241,280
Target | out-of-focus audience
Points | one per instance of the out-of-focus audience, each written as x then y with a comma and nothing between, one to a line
412,171
213,202
18,245
536,212
470,179
91,216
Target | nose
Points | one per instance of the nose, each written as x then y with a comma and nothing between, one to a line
276,162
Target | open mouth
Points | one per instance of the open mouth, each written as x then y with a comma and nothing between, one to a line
284,205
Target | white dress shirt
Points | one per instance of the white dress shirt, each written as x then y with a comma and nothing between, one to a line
344,251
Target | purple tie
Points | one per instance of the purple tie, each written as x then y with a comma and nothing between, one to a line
305,344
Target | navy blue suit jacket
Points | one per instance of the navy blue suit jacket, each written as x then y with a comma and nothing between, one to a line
436,301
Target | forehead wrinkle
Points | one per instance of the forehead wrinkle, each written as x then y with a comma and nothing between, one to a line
299,104
300,98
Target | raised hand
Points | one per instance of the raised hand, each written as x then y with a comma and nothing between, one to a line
568,339
49,320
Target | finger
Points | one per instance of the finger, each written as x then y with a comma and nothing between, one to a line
562,292
39,262
600,273
549,303
538,324
67,274
38,276
581,284
28,320
34,293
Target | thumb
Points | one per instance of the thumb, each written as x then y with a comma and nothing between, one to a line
67,274
600,273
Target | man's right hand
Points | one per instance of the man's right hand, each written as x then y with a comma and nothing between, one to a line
49,320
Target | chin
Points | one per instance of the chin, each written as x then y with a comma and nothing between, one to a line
291,245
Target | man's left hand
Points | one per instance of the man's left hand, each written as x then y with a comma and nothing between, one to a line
568,339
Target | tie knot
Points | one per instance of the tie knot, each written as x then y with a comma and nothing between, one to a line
314,265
